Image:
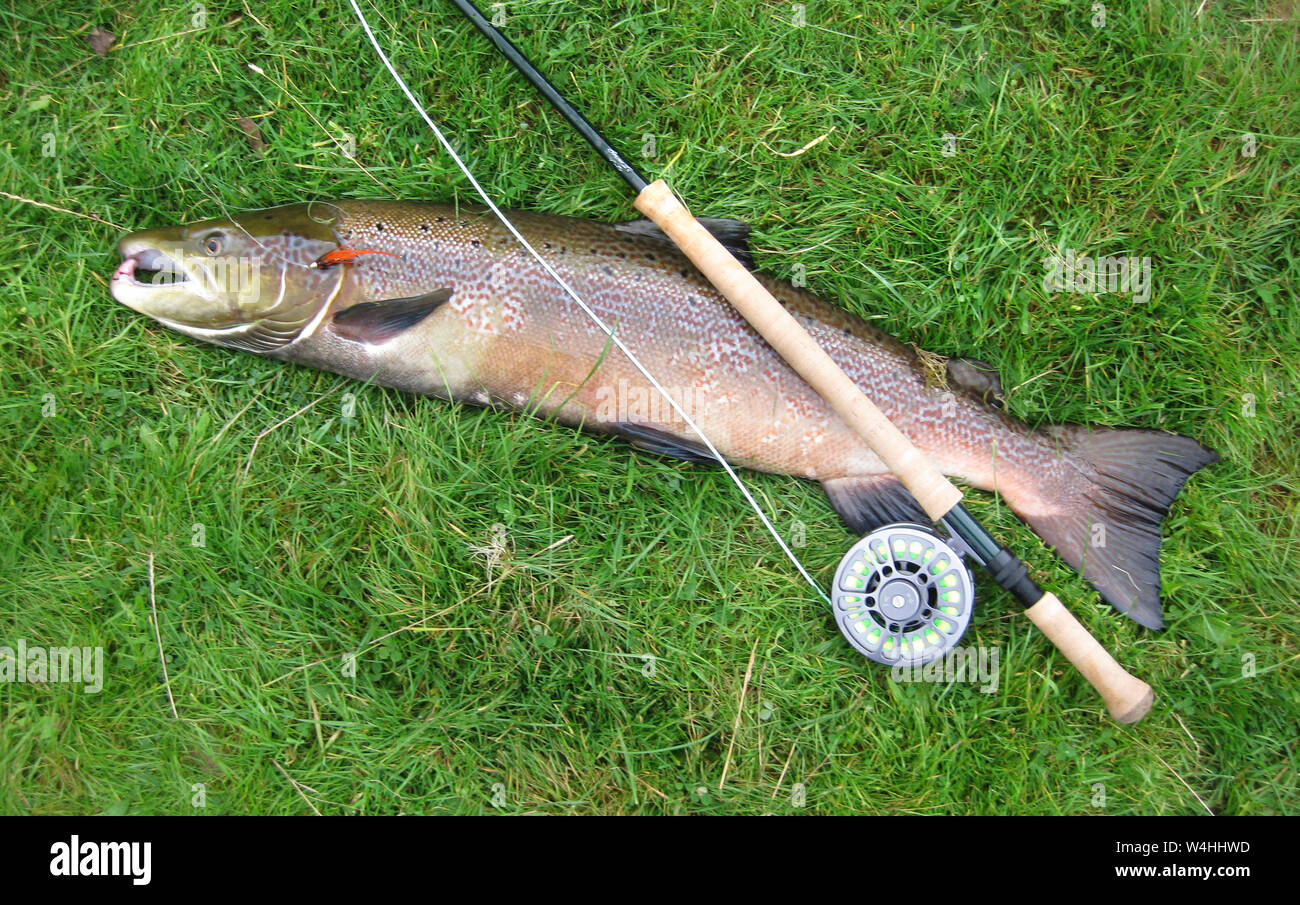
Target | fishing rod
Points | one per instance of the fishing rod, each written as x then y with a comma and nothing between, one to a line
899,592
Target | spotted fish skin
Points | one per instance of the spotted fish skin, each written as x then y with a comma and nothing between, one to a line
456,308
510,336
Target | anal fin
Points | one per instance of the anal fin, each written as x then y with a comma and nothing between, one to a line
866,502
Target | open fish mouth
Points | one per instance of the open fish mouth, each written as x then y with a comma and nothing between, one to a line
162,281
144,266
151,267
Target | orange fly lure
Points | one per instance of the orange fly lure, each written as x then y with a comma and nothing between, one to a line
345,256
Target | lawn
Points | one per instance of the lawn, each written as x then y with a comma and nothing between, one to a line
376,603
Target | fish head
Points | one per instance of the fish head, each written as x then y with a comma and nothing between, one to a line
247,282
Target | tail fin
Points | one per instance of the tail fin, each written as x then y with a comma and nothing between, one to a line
1104,505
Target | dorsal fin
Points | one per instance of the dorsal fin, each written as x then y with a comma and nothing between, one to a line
378,322
733,234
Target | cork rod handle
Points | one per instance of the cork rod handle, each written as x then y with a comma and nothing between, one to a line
1127,698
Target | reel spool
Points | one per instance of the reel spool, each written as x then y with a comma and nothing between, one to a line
903,596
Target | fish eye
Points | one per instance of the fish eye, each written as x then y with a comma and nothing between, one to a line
214,243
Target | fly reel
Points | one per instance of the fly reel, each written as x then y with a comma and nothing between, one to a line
903,595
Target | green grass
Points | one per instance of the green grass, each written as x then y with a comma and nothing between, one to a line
533,687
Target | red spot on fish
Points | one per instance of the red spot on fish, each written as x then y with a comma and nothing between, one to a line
512,315
813,437
729,353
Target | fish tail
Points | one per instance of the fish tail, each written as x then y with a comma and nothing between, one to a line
1102,503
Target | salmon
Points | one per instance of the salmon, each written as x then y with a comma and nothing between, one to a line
442,301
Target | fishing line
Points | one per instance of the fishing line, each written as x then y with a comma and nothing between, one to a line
636,362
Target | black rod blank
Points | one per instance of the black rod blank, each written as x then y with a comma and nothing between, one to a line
549,91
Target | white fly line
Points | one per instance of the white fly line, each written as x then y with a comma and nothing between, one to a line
581,303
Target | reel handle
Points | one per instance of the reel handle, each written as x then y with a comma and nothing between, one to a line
1127,697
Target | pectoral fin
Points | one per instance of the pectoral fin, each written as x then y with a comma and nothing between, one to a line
378,322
